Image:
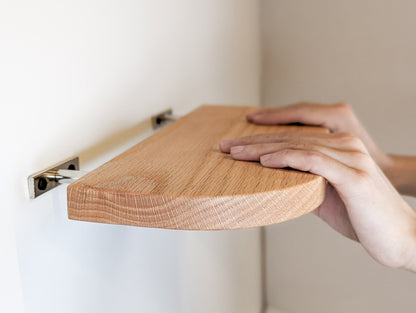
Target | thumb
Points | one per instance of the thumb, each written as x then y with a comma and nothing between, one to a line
328,116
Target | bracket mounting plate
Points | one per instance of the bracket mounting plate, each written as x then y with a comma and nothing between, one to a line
39,183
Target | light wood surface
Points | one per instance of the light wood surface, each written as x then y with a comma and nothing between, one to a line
179,179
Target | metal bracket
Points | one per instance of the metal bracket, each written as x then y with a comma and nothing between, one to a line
163,118
64,172
68,171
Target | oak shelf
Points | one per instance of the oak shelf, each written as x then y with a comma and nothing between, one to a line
178,179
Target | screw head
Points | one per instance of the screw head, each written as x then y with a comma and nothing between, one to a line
42,183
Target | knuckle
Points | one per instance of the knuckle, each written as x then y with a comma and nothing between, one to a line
362,159
300,107
314,156
359,145
343,107
310,160
258,148
360,156
242,140
344,112
286,154
346,138
343,135
297,145
337,137
362,178
286,136
250,139
351,141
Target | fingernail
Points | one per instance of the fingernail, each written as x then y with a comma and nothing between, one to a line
237,149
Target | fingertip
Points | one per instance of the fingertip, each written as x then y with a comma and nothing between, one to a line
250,116
225,145
255,118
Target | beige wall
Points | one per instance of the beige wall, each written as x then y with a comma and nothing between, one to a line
362,52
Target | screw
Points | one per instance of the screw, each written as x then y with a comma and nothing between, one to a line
42,183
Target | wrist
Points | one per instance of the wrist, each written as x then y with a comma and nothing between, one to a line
411,261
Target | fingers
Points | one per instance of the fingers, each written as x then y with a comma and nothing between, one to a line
355,159
338,118
316,162
331,116
226,144
340,141
337,157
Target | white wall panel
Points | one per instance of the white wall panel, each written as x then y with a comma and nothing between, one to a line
78,78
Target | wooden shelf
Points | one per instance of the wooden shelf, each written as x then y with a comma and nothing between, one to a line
179,179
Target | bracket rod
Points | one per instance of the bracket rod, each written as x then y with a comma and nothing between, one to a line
68,171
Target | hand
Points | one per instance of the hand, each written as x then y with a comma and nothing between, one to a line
360,202
336,117
401,170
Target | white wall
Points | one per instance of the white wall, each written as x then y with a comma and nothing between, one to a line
78,78
362,52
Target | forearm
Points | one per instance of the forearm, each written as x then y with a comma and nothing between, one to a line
401,171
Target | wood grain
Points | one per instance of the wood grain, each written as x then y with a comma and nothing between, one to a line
179,179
